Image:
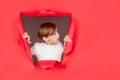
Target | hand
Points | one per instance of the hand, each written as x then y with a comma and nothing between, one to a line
67,39
26,36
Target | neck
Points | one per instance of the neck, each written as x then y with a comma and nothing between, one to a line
48,43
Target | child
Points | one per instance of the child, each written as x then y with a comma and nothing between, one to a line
51,48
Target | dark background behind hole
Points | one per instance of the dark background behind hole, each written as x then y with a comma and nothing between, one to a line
32,23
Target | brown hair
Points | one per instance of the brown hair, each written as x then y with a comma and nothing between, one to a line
46,29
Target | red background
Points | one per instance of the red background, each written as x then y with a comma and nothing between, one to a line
96,55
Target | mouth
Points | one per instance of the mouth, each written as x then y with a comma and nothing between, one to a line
58,39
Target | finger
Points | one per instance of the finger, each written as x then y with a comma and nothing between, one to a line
24,35
64,43
29,40
68,39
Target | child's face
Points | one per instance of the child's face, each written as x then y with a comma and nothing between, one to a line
53,39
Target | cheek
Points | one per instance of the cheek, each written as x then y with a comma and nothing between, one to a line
52,40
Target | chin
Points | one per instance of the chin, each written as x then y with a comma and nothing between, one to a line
56,42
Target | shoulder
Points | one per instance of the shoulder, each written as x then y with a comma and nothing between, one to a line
59,44
38,44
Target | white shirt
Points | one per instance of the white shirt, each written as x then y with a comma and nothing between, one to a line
47,52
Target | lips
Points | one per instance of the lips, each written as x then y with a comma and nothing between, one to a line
57,39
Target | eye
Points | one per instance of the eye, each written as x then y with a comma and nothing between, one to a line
54,33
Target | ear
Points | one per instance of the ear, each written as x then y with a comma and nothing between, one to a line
45,39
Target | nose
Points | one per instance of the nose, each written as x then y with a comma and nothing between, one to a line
58,35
